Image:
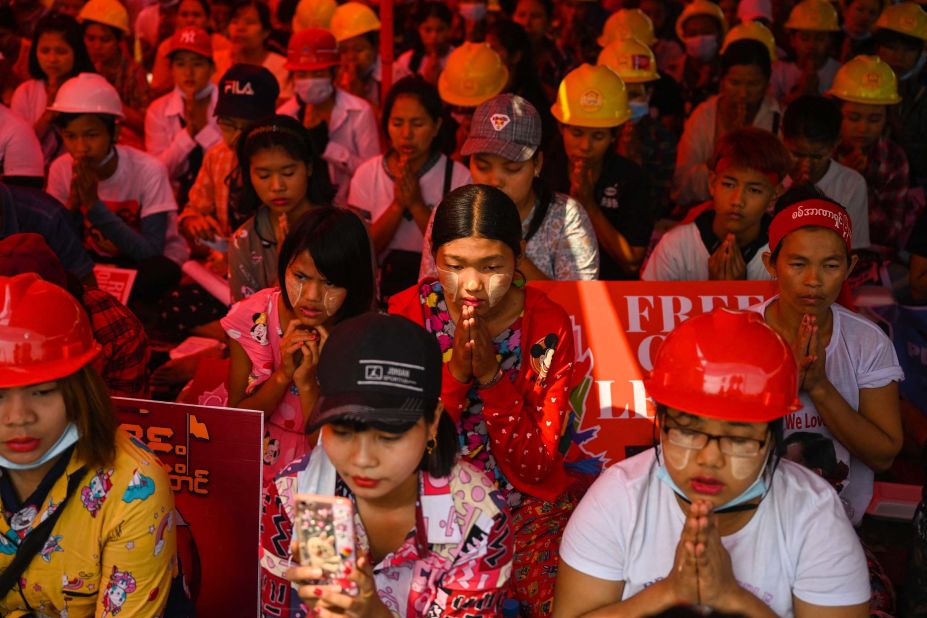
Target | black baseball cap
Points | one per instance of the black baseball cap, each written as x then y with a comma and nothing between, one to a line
247,91
377,369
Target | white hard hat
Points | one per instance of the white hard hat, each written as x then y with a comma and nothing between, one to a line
88,93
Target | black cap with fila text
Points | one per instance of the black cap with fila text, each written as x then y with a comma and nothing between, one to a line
247,91
377,369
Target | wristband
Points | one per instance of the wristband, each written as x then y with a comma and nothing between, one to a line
495,379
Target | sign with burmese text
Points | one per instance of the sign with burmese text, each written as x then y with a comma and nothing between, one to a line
213,459
617,328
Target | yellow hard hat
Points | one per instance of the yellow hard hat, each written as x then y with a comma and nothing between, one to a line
313,14
700,7
633,61
866,79
627,22
818,15
752,30
591,96
474,73
353,19
907,18
107,12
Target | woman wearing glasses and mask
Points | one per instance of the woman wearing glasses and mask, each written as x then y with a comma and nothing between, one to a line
712,516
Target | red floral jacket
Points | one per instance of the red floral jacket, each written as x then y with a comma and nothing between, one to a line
524,417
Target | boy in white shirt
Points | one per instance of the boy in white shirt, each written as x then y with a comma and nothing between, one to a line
179,127
811,132
122,194
727,239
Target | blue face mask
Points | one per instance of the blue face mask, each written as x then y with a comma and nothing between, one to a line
639,109
756,489
68,438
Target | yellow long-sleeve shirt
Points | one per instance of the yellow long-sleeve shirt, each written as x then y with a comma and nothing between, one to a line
112,551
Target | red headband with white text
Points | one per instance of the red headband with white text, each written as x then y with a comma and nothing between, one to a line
811,213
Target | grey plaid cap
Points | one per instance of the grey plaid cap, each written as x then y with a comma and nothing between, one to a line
506,125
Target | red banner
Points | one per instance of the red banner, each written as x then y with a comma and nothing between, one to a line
617,327
213,459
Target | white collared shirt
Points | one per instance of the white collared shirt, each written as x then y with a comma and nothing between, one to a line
690,181
166,137
353,137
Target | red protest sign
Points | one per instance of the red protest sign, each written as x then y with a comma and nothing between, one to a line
115,281
617,327
213,459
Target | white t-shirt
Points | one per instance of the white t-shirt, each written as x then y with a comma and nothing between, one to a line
372,190
847,187
29,102
139,188
799,541
20,151
859,355
785,76
682,256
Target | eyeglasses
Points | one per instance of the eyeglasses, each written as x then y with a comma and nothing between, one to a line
230,126
695,440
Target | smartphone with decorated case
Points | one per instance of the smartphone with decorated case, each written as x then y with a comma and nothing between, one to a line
324,531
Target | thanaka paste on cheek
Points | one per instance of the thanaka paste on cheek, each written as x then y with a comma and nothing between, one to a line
497,287
742,467
450,283
678,458
294,290
332,301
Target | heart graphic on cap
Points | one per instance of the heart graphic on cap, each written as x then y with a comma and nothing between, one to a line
499,121
640,62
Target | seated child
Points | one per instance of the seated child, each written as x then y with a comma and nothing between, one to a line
810,132
866,90
123,195
727,240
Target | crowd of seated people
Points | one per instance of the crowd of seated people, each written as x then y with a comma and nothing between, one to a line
297,183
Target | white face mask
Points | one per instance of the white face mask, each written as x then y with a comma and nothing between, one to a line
313,90
472,11
68,438
201,94
702,47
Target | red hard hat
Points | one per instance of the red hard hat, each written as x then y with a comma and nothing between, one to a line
728,365
312,49
44,332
